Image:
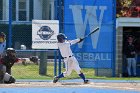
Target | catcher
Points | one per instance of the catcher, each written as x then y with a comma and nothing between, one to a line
9,59
70,61
6,64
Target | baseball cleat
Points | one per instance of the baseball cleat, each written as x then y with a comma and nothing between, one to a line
55,79
86,81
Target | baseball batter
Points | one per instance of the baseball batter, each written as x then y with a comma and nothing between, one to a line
70,61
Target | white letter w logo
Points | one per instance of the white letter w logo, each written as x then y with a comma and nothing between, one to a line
90,17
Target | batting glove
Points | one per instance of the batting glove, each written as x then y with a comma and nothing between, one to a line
81,39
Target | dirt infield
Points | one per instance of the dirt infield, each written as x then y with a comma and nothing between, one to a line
119,86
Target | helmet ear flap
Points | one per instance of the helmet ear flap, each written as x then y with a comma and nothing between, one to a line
60,40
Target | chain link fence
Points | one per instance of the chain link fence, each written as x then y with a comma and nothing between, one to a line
16,22
36,64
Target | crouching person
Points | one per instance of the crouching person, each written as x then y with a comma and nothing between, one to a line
5,77
9,59
6,63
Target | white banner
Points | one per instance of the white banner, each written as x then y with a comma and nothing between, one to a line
44,34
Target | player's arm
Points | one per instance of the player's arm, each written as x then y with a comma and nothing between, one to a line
15,59
74,41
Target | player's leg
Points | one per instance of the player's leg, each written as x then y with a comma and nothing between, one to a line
67,72
8,79
56,78
2,73
83,77
129,66
8,70
134,66
77,68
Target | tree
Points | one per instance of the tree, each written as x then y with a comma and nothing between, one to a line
128,8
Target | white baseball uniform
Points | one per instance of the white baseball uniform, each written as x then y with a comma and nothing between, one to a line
70,61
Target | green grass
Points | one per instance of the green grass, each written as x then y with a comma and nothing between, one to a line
31,71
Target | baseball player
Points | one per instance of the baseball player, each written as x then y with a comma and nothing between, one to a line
9,59
2,42
70,61
6,64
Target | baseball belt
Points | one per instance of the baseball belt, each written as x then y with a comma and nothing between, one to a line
69,56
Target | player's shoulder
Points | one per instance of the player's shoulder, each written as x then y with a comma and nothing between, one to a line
66,42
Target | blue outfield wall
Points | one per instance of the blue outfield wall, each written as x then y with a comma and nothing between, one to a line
80,18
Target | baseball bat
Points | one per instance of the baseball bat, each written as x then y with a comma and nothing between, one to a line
96,29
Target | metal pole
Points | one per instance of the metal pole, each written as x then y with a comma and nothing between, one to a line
56,11
10,24
60,16
43,64
55,62
59,66
114,38
60,30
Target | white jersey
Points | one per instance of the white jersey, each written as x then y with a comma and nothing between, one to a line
70,61
65,49
2,47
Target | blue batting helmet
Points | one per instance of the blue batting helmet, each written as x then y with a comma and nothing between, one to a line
61,37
